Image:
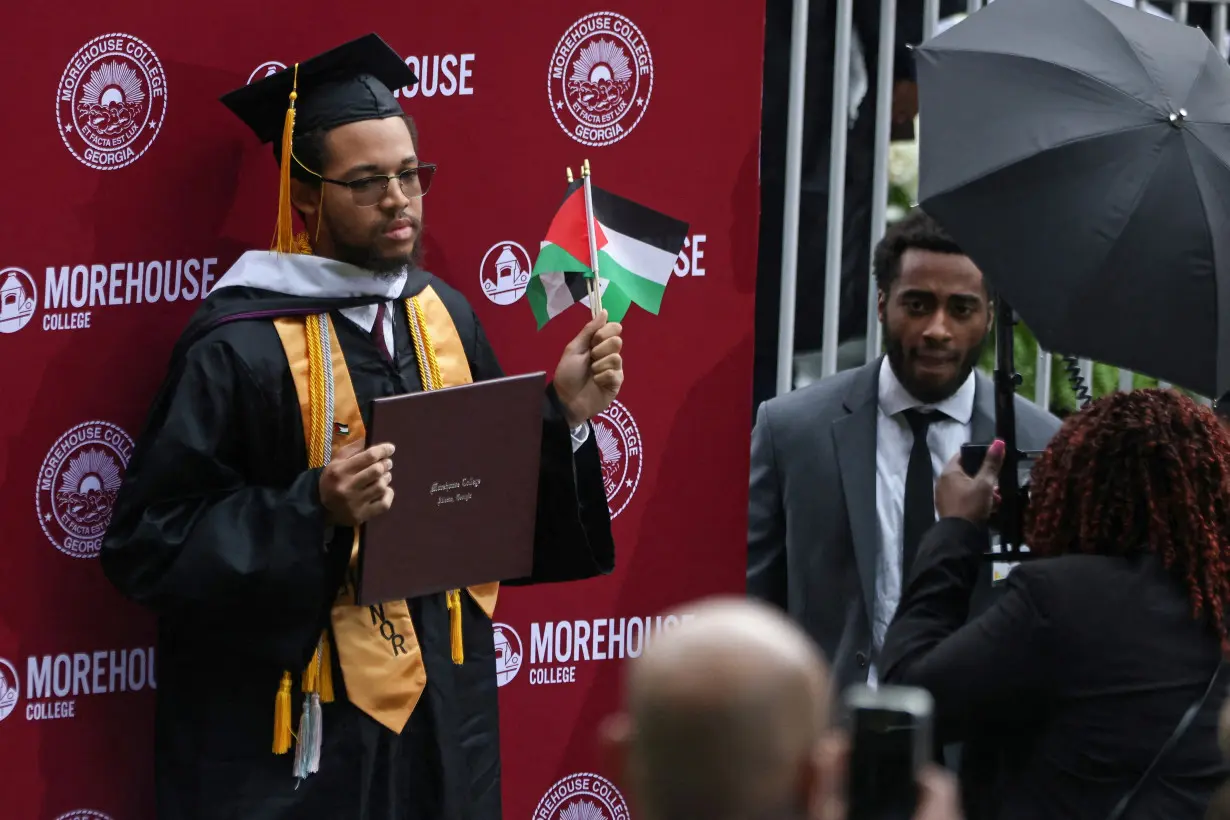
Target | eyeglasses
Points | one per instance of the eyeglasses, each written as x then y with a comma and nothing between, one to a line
371,190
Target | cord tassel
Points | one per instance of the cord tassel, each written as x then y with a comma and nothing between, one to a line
318,728
281,717
454,621
284,235
326,669
304,746
311,673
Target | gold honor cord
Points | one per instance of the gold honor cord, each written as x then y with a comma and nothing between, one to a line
384,679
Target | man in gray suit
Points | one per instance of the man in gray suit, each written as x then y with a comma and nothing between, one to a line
841,486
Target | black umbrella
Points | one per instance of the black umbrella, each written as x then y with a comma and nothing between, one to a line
1079,151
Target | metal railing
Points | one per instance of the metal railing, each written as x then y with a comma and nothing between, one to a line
880,178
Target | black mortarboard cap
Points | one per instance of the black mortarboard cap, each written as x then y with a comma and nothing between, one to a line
350,83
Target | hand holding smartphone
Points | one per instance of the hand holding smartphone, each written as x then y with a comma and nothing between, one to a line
890,743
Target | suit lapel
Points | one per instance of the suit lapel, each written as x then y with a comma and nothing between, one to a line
854,438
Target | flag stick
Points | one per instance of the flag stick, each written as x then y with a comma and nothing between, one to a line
595,293
589,283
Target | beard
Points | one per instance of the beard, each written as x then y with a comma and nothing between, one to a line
930,393
367,257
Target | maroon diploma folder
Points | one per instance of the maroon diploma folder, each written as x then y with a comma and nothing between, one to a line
465,482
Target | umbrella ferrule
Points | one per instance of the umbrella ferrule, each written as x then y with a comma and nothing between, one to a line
1178,119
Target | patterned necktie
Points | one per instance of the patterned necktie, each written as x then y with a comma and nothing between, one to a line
378,331
919,490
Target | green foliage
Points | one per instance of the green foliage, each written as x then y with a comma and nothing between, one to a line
1063,397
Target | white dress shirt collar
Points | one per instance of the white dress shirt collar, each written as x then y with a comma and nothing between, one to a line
894,397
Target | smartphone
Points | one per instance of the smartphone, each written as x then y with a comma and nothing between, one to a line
890,742
973,454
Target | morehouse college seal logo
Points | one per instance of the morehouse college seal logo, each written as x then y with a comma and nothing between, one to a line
619,448
10,688
77,485
18,298
265,70
508,654
111,102
84,814
582,796
600,78
505,272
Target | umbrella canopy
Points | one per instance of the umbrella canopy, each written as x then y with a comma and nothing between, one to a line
1079,151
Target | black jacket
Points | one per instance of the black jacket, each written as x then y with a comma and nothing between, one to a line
1065,689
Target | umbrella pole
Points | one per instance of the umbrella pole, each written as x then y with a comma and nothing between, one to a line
1012,502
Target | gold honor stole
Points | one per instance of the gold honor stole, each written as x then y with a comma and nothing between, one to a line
378,651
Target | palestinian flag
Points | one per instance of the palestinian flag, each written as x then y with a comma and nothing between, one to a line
637,249
550,294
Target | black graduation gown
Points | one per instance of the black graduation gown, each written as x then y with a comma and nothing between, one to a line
219,529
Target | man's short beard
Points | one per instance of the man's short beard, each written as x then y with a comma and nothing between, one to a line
384,267
896,357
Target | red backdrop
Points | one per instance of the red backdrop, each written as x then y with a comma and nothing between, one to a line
115,227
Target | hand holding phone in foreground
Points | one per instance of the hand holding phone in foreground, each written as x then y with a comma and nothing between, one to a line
938,796
888,771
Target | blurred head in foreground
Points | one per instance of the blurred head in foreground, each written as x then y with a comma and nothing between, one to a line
726,718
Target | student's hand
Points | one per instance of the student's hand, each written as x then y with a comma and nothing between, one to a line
357,488
591,371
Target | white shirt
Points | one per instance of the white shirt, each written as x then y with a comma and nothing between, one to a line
365,316
894,440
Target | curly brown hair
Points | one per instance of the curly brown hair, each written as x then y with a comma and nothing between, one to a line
1145,471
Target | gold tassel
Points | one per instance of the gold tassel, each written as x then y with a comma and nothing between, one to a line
326,670
284,237
454,621
281,717
311,674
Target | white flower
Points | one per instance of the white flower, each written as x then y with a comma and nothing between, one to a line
903,167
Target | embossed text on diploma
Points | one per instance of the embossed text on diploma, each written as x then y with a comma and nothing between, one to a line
451,492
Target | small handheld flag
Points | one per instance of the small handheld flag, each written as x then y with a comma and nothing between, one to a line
604,251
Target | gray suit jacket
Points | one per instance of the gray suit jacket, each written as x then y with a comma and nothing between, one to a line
811,535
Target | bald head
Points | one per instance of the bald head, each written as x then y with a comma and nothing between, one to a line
725,711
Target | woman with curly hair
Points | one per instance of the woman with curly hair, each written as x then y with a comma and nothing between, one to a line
1068,688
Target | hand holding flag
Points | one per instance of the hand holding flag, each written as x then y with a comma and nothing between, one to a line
591,371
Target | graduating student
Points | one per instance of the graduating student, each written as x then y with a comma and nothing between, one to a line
237,523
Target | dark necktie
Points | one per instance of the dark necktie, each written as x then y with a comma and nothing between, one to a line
378,332
919,490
